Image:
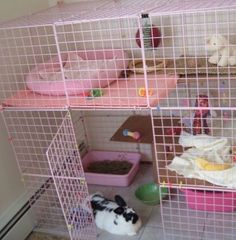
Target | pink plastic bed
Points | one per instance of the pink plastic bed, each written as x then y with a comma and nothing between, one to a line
82,70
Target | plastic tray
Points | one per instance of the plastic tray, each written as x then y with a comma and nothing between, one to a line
213,201
111,179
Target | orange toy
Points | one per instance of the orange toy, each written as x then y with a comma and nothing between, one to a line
142,92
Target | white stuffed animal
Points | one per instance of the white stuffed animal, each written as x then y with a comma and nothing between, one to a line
224,53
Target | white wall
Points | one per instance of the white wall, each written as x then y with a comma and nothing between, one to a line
10,9
54,2
11,188
10,185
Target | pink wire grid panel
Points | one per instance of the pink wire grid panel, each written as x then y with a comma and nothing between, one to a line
183,51
186,48
21,50
45,205
180,159
117,34
201,202
181,222
211,201
67,172
81,64
48,158
30,133
189,90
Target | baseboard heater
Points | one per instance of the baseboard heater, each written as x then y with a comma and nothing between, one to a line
11,224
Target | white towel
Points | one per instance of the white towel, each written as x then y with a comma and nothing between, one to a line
211,148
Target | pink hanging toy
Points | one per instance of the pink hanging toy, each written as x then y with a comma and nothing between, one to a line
199,122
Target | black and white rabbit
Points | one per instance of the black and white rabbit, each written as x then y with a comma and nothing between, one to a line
115,216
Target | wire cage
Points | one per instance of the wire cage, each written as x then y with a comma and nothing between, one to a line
59,58
73,76
79,62
50,147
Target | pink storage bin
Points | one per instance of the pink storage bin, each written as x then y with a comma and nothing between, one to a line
212,201
110,179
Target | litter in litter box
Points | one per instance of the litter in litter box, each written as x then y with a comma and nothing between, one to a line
110,167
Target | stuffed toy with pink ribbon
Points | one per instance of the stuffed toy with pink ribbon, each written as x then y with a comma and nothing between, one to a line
200,125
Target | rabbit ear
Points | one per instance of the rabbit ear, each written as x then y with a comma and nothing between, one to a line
119,210
120,201
135,218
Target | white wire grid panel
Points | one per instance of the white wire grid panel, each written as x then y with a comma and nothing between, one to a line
195,151
94,131
67,172
202,215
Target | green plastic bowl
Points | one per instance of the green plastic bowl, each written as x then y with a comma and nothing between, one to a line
150,193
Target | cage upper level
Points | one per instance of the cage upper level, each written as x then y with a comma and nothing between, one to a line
124,54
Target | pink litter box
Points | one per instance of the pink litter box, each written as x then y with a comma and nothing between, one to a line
111,179
212,201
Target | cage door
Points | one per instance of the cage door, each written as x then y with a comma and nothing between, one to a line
68,175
